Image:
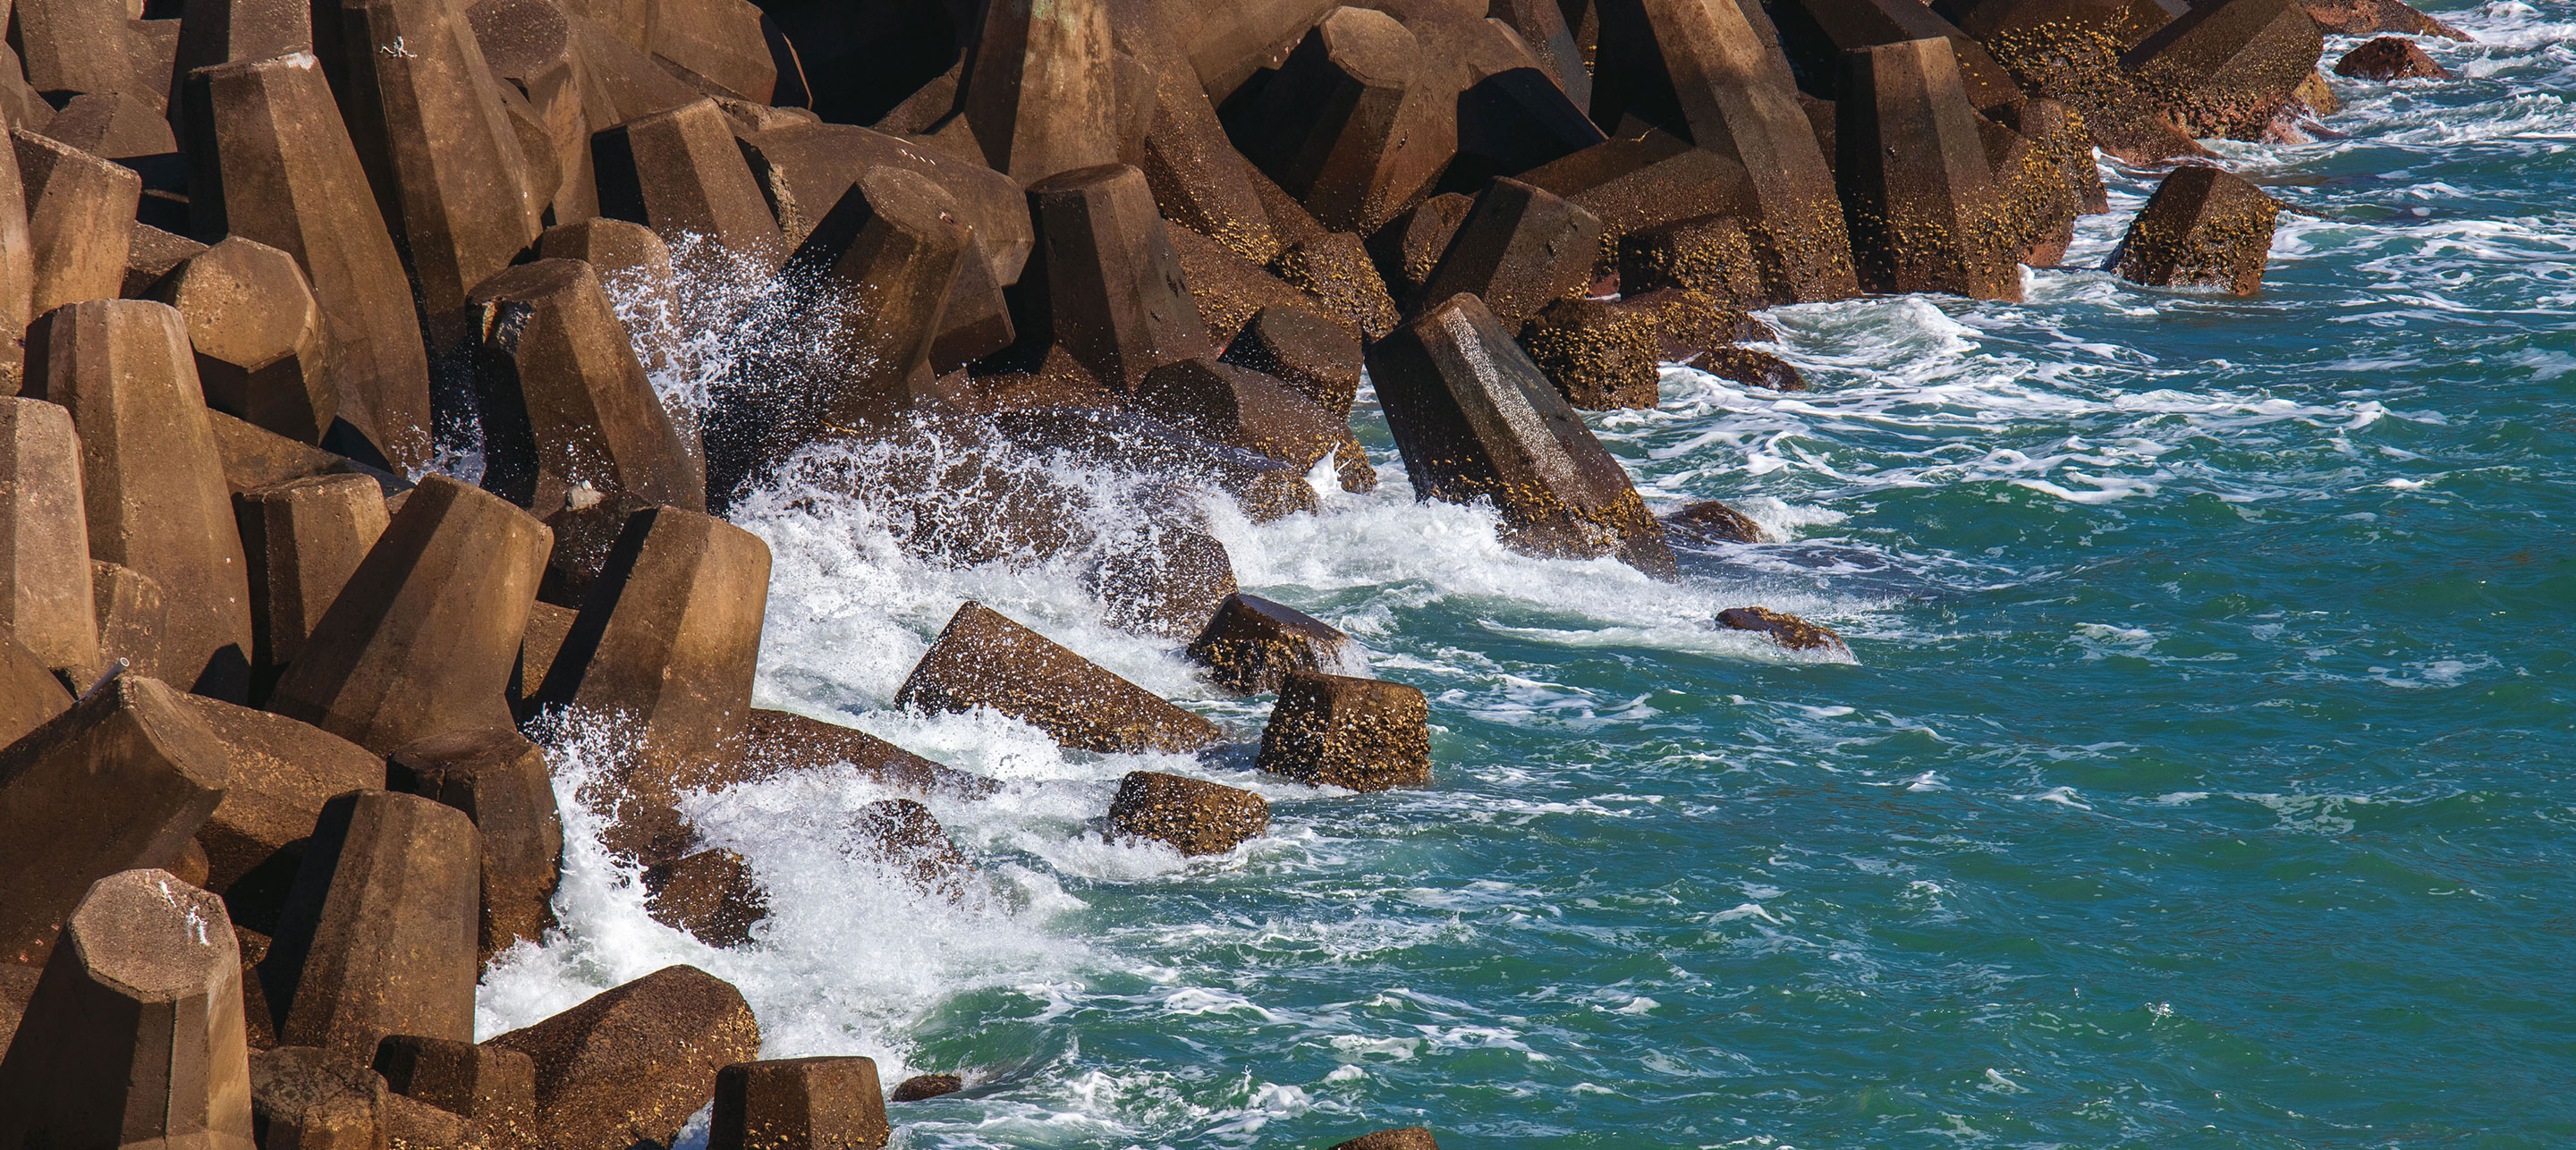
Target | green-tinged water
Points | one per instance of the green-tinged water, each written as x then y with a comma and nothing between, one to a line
2203,778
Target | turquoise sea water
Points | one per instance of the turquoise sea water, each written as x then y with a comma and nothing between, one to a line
2203,778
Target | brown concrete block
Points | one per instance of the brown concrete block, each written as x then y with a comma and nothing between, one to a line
1924,211
1240,408
1303,350
806,169
565,403
1709,522
620,82
1815,33
632,261
1228,288
2203,228
1197,816
313,1099
1519,250
1227,44
2389,58
1335,271
1707,254
120,780
715,44
255,457
669,634
155,491
547,626
1252,644
17,263
448,169
905,837
1334,730
132,617
303,539
637,1061
272,162
778,741
114,126
2227,68
1166,582
879,269
976,320
985,660
2359,18
423,637
283,773
230,31
134,1035
45,594
1104,280
680,172
73,46
152,254
1514,120
1601,354
1038,89
1475,419
80,210
377,936
33,696
501,781
1401,1138
1341,128
1410,245
920,1087
258,334
490,1085
529,44
1701,70
710,895
1200,182
583,538
1638,184
799,1104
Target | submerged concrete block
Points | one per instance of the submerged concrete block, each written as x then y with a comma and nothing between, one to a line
778,741
45,601
272,161
262,350
1165,581
983,659
155,491
134,1036
1252,644
378,934
635,1062
422,639
1475,419
1195,815
80,212
501,781
1335,730
799,1104
2203,227
565,402
121,780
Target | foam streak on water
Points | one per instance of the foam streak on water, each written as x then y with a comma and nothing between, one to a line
2202,778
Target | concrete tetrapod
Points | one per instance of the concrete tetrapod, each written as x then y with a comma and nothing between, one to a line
2203,227
1475,419
78,211
1924,211
423,637
154,484
637,1061
983,659
1104,280
119,781
303,539
377,936
1038,89
134,1036
271,161
799,1104
500,780
262,349
1519,249
44,538
1364,734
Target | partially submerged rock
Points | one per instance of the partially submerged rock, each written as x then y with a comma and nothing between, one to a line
1336,730
985,660
637,1061
1195,815
2390,58
2203,228
1789,631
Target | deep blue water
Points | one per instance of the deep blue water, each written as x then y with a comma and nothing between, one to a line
2203,778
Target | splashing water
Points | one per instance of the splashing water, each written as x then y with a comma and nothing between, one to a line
2201,779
